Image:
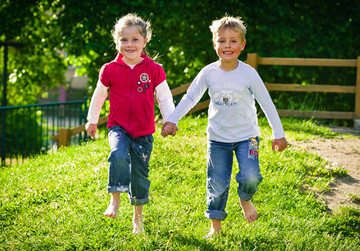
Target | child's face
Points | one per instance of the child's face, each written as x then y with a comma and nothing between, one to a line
131,44
228,45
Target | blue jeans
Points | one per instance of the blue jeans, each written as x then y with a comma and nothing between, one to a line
219,168
129,165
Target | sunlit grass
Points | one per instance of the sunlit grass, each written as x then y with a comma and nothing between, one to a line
56,201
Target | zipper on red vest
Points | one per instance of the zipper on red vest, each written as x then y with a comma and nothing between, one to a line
131,96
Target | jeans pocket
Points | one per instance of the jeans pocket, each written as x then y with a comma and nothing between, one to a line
145,140
150,139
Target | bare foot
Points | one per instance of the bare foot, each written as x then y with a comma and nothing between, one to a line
138,220
138,227
113,207
215,229
211,234
250,212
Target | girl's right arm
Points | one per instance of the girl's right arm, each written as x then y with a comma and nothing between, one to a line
97,100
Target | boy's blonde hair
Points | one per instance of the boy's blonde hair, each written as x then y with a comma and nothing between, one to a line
130,20
229,22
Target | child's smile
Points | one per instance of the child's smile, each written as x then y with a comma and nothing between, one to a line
228,52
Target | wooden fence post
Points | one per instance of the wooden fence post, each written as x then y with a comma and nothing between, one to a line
357,96
252,60
64,137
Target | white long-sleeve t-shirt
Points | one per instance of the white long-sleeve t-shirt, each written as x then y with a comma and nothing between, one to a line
232,113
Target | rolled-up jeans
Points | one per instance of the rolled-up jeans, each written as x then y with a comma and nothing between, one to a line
129,165
219,168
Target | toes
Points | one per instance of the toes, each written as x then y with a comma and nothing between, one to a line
252,217
138,229
211,235
110,214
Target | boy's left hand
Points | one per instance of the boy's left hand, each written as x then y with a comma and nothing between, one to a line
279,144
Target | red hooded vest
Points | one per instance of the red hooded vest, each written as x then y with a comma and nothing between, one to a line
131,94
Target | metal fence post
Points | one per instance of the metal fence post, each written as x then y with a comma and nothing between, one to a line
84,115
3,134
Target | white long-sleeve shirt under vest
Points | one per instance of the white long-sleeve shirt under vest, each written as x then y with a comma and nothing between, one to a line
232,113
162,92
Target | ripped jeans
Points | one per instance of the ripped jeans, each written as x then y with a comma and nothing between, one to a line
219,168
129,165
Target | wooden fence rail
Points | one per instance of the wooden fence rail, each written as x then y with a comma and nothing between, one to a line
255,61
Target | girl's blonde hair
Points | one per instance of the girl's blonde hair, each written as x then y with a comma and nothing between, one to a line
130,20
229,22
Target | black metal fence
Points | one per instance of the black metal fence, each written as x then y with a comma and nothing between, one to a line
28,130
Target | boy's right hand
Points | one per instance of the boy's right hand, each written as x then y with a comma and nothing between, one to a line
169,129
91,129
279,144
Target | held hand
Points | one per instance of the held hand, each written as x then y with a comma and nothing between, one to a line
169,129
91,129
279,144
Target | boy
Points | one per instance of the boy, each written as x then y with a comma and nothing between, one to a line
233,87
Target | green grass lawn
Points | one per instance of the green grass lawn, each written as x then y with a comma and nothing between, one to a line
56,201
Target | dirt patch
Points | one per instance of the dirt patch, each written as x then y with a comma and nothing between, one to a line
339,152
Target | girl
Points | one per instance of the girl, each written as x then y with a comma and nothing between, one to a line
232,127
131,78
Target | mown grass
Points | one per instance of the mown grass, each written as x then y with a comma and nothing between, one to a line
56,201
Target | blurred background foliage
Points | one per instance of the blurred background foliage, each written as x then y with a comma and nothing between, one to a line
58,33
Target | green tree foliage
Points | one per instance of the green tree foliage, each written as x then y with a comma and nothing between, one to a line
39,64
57,33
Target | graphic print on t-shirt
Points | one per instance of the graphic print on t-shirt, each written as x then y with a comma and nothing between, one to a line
226,98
